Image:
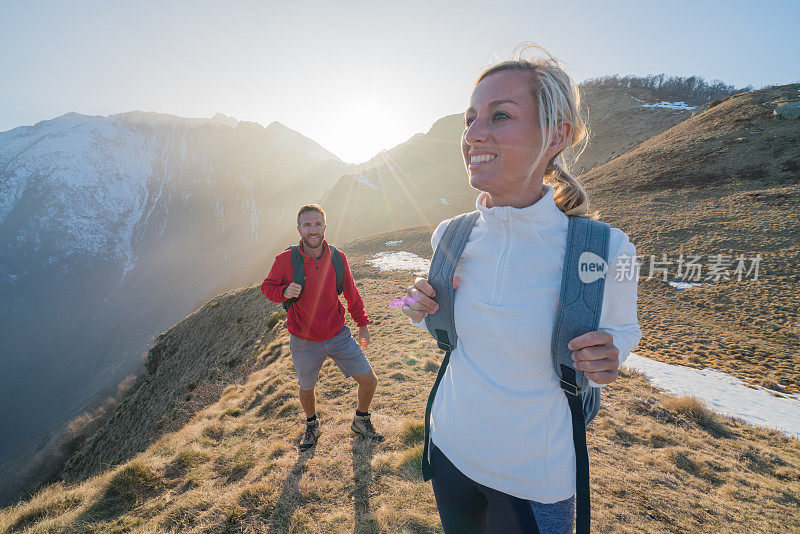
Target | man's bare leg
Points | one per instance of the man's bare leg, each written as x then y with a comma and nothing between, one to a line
367,383
308,402
362,424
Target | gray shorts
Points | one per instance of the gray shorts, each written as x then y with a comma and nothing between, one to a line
308,357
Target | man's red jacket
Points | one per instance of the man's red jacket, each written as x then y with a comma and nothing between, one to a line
318,313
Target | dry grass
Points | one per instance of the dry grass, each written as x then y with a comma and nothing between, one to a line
273,319
658,464
236,465
135,482
195,362
39,513
412,432
696,410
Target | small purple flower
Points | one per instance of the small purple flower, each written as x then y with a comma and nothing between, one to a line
401,301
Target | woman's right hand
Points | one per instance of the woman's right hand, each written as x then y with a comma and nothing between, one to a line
419,299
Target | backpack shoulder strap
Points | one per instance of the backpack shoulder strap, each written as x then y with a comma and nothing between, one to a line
579,306
298,269
442,324
338,267
581,299
298,273
448,251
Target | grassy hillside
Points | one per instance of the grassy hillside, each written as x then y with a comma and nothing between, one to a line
187,369
725,181
658,464
617,122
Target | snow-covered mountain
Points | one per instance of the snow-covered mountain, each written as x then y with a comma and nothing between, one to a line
128,220
99,184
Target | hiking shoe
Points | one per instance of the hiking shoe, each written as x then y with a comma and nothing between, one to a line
363,425
310,436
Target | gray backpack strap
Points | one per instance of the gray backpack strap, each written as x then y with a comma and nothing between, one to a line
442,324
579,304
578,312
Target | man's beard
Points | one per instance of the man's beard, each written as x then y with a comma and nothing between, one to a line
307,242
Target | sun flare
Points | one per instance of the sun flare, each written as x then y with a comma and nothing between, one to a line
362,126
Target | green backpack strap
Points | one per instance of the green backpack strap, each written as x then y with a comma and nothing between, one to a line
298,273
338,267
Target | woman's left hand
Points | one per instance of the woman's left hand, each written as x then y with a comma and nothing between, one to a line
594,353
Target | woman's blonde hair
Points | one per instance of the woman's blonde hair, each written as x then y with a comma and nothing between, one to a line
558,99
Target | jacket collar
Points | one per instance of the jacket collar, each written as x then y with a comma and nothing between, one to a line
326,251
542,212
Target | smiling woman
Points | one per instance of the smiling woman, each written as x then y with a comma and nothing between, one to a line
505,433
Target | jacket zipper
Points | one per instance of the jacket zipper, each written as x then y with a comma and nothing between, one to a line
501,264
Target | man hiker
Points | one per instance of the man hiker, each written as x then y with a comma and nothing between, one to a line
315,319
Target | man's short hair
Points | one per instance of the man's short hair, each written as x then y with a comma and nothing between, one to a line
311,207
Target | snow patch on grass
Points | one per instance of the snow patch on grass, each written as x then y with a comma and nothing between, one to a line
723,393
400,260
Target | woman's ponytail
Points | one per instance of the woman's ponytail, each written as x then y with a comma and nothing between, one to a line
570,197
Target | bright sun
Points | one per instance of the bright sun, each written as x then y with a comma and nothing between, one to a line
362,127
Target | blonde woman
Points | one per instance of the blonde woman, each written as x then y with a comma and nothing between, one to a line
502,454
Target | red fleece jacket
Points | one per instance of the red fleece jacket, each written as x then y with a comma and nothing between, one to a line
318,313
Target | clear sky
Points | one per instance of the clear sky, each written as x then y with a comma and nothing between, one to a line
358,76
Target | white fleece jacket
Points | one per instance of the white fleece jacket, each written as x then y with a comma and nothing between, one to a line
499,413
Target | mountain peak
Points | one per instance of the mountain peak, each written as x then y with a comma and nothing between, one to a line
68,117
221,118
280,133
279,127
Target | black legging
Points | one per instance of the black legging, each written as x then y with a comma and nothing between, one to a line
467,507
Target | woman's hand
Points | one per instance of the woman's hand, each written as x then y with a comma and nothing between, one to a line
419,299
595,355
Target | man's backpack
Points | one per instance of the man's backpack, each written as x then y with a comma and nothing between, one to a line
299,272
578,312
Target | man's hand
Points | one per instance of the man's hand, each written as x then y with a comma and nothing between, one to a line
292,290
363,336
595,355
419,299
